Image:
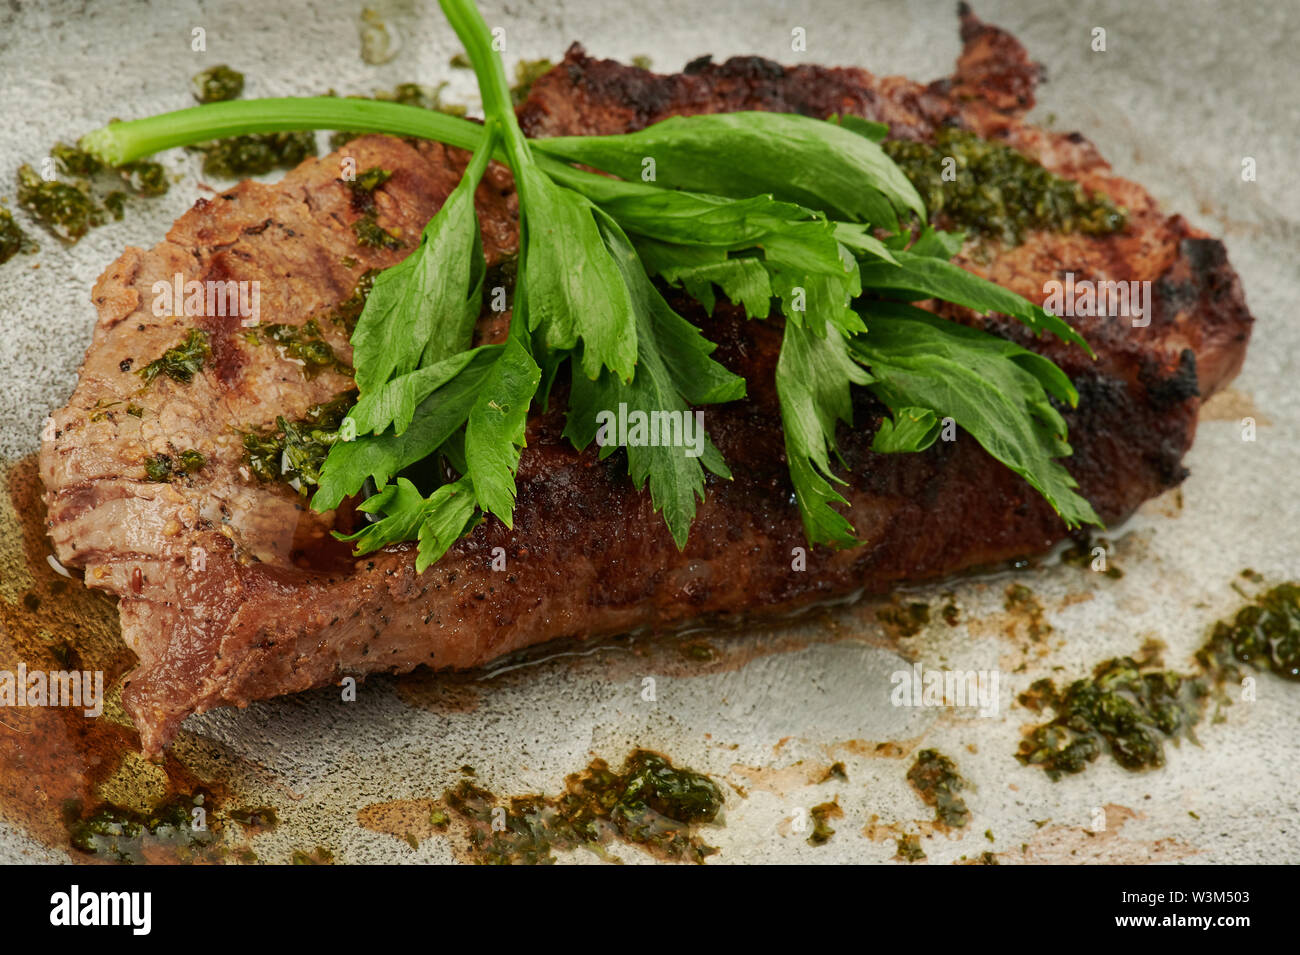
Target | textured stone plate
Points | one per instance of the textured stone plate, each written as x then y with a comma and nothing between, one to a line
1183,93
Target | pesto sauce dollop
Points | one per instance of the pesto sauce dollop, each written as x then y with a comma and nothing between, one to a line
217,84
294,451
998,192
935,778
1130,706
650,803
83,193
12,238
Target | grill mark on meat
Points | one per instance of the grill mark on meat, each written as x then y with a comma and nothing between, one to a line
587,554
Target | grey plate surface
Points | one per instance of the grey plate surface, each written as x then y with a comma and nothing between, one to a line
1183,93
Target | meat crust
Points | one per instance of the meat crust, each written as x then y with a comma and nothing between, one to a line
231,590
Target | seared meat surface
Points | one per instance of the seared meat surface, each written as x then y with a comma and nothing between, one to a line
232,590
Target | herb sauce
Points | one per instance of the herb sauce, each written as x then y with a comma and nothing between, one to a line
909,849
87,196
1130,706
217,84
821,816
12,238
162,468
650,804
905,619
999,192
67,210
935,778
349,310
294,451
303,343
181,362
255,153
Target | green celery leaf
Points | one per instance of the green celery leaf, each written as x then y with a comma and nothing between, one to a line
395,401
437,521
687,238
992,388
423,309
816,164
573,290
911,429
813,375
863,127
674,371
436,419
937,244
495,431
697,269
928,276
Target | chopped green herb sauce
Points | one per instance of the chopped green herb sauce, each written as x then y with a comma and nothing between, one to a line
181,362
372,235
349,310
1263,636
370,180
999,192
905,620
650,803
295,450
67,210
1130,706
821,816
1125,708
115,834
12,238
145,178
162,468
935,778
304,343
71,161
216,84
909,849
255,153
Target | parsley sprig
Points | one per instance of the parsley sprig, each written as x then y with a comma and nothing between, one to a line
795,220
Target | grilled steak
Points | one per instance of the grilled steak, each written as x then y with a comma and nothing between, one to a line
232,590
